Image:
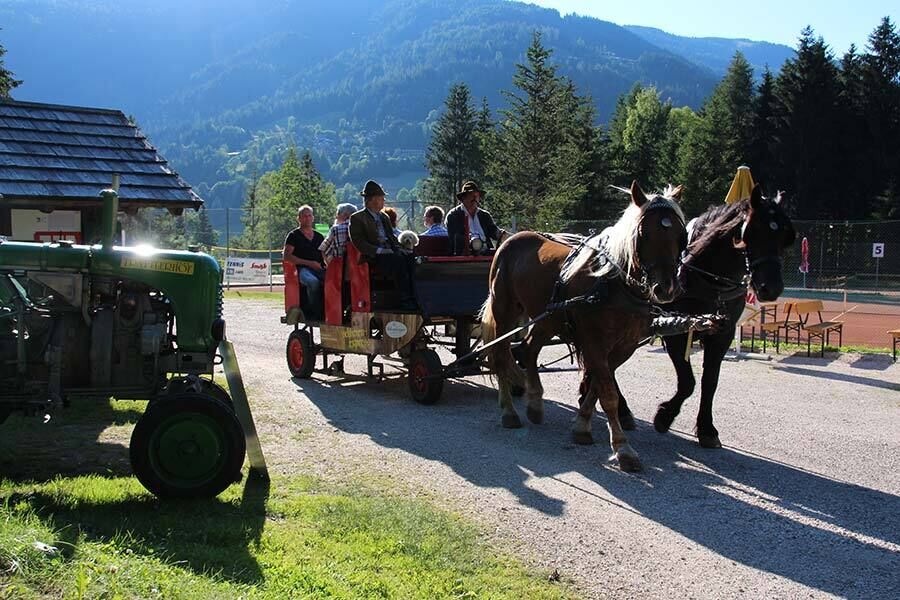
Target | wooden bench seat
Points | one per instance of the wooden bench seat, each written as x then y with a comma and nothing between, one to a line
895,340
817,331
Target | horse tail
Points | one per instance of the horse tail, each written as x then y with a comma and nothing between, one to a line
488,324
498,356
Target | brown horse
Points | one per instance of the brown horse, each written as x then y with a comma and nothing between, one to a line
634,264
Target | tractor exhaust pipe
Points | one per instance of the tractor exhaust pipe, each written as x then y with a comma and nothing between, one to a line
110,211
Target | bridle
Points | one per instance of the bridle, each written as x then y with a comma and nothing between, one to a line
643,284
733,286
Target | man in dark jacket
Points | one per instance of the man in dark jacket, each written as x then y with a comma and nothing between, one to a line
373,236
470,228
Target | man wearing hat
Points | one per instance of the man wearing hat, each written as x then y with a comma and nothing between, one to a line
373,236
470,228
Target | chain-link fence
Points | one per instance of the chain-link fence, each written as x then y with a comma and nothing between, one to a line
845,255
840,255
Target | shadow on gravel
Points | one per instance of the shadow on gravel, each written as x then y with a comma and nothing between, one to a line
857,379
827,534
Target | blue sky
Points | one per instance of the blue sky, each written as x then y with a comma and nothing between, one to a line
840,23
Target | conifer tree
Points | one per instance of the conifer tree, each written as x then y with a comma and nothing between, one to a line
759,155
881,78
539,170
8,82
204,233
806,92
722,140
454,154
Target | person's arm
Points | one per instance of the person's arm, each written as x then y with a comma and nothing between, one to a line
490,228
358,237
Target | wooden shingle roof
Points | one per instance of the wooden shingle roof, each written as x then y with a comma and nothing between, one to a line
62,156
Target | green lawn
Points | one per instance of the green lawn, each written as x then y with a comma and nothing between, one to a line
83,535
235,294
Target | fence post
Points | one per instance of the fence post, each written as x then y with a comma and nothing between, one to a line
227,246
269,247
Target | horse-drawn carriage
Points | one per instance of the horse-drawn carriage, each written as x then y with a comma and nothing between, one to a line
360,317
601,294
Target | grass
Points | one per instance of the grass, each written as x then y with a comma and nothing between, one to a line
815,348
88,535
237,294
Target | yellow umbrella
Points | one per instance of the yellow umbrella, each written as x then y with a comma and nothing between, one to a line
741,187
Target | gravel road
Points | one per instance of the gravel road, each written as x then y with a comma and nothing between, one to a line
804,500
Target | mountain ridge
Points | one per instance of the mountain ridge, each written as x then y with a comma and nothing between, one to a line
220,85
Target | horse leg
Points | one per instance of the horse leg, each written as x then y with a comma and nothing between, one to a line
603,387
626,418
534,391
667,411
714,350
581,434
496,319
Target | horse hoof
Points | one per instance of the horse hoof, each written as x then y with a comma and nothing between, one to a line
626,420
534,415
517,390
583,438
511,421
663,420
709,441
629,463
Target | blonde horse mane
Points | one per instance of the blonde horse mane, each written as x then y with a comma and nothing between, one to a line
620,240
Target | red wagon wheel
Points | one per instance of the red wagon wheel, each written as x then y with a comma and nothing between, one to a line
424,365
301,356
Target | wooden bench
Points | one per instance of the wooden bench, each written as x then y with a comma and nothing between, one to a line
771,326
821,330
895,340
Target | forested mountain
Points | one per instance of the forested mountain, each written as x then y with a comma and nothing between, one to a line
714,52
224,87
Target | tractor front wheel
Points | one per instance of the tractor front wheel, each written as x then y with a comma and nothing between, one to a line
301,356
187,446
425,376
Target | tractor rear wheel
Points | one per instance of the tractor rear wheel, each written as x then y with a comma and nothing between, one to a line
301,356
425,381
187,446
182,385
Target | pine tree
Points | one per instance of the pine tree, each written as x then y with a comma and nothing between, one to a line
205,235
539,170
454,154
857,182
8,82
881,78
806,92
760,153
723,139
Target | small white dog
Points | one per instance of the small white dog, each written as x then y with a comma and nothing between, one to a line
408,240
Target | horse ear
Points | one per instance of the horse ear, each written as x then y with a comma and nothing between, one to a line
637,194
756,197
676,192
779,197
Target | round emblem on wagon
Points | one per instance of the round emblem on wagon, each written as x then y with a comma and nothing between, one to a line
395,329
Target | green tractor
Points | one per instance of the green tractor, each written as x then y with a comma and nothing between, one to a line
81,323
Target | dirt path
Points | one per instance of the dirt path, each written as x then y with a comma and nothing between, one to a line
803,501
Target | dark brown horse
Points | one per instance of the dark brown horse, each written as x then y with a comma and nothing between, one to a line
731,246
635,264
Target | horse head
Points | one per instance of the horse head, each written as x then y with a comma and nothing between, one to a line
658,238
764,235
